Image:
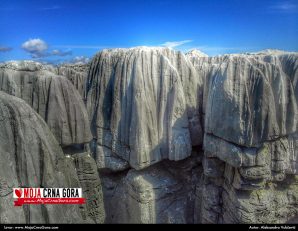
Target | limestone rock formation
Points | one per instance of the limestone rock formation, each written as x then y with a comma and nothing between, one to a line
61,106
177,138
144,105
31,157
76,73
250,141
195,53
287,62
243,106
157,194
26,65
90,182
256,102
52,96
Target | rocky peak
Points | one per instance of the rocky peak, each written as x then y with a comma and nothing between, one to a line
196,53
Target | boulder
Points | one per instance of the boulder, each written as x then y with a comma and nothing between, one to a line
52,96
31,157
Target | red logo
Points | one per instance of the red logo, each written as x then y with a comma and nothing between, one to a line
18,192
37,196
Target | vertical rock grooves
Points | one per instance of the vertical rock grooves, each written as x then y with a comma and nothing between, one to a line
54,98
175,138
25,143
250,143
142,106
153,104
76,73
61,106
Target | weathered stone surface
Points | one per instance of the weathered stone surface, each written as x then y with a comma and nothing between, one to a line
108,161
257,103
153,110
195,54
26,65
236,198
144,104
91,184
247,104
250,115
59,103
52,96
31,157
152,195
260,187
276,203
76,73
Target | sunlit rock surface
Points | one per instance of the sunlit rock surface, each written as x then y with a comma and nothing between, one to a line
61,106
246,108
177,138
76,73
144,104
250,142
52,96
31,157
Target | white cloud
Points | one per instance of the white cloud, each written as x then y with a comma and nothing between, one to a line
38,48
175,43
35,45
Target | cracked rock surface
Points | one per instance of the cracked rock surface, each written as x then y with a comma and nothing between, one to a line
31,157
250,141
144,105
76,73
61,106
241,110
52,96
175,138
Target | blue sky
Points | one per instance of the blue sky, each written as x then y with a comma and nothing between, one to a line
55,30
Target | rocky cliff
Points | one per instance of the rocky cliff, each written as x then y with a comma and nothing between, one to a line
251,138
140,102
52,96
31,157
175,138
76,73
61,106
239,111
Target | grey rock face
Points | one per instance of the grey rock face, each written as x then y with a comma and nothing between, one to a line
259,188
52,96
257,103
246,106
76,73
176,138
157,194
141,106
287,62
91,184
61,106
250,141
26,65
31,157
